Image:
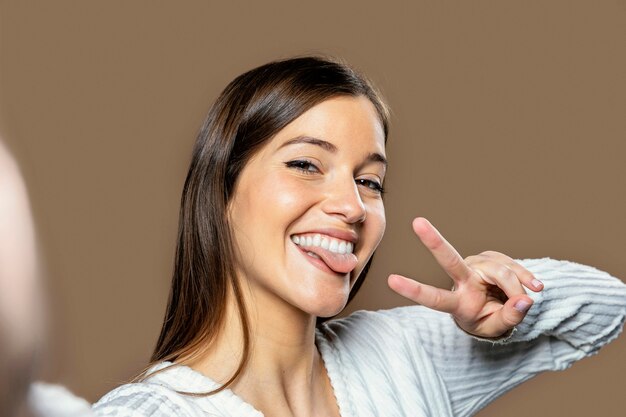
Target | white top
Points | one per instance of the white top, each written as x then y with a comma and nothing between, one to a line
412,361
49,400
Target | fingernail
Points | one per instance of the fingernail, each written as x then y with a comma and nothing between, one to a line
536,283
522,306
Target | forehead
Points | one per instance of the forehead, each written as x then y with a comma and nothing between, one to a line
345,121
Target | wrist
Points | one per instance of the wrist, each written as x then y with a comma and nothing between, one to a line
501,338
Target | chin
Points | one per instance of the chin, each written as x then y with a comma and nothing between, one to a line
327,306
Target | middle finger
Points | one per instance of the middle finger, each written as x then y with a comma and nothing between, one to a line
442,250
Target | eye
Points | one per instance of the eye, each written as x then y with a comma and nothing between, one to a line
303,166
309,168
371,184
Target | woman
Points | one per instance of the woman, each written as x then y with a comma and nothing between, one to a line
282,210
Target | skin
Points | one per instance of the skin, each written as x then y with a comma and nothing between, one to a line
285,292
20,298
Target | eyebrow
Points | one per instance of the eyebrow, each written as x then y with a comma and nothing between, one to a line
372,157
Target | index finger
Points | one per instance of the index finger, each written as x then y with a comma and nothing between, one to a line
443,252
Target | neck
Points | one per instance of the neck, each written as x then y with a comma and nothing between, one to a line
284,368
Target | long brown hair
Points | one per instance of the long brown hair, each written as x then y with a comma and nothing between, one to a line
247,114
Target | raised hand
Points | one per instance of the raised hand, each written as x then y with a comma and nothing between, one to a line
488,297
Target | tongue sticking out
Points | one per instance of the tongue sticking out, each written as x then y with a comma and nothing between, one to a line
338,262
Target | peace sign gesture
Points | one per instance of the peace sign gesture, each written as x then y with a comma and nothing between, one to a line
488,297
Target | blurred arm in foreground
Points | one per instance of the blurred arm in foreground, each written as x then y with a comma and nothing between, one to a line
22,307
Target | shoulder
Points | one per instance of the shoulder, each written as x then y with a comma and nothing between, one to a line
144,399
172,390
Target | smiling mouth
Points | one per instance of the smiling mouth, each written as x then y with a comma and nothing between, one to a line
326,252
319,263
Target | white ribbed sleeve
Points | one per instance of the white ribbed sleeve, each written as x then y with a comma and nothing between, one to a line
412,361
580,310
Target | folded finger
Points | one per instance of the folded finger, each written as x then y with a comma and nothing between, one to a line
503,276
524,275
510,315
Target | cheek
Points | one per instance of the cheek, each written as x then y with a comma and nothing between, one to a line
274,203
373,232
285,202
286,195
378,223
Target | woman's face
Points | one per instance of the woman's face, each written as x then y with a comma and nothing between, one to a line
307,212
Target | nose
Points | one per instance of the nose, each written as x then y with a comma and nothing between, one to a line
343,200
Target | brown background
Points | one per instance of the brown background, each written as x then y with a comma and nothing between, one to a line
508,134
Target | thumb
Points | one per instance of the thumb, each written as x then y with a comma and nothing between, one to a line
511,314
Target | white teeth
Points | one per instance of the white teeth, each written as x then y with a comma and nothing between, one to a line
342,247
325,242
